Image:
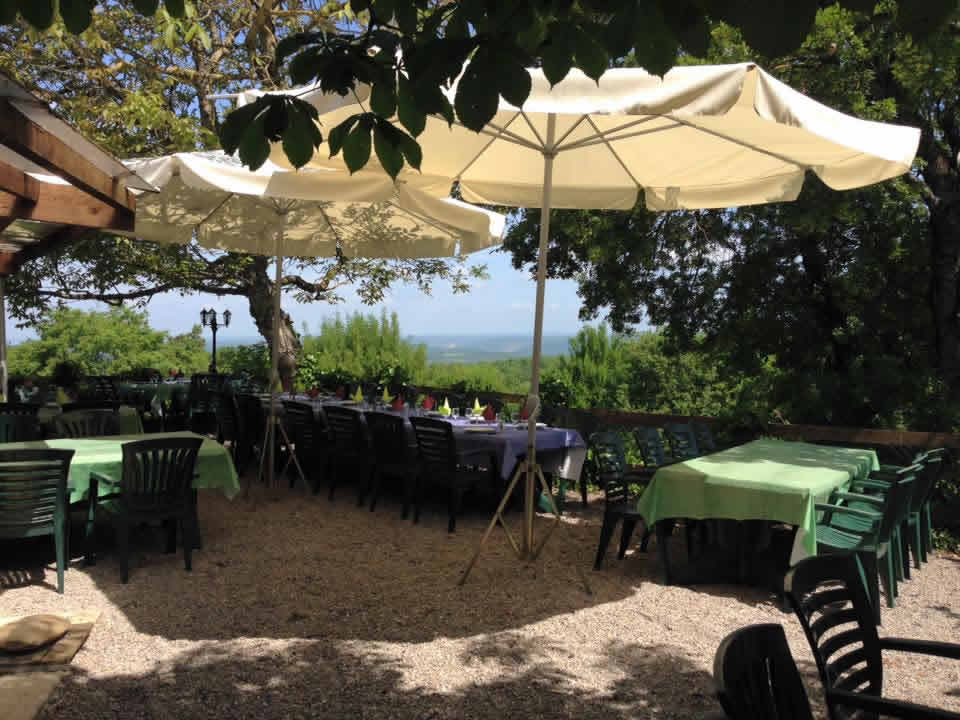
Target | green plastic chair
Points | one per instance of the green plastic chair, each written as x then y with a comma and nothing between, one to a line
156,485
33,498
876,545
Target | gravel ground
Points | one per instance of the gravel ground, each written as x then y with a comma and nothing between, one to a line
300,608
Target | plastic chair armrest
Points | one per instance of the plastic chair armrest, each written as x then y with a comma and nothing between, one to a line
842,509
927,647
859,497
105,479
886,707
874,484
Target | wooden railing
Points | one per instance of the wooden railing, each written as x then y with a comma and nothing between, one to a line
865,436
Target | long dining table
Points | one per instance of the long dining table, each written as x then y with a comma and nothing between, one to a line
774,480
560,451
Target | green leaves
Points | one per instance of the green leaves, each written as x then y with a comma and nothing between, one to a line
176,8
922,19
249,129
383,96
38,13
146,7
356,145
389,155
477,95
590,55
413,118
76,14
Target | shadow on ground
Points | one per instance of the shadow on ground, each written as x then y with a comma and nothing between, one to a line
321,679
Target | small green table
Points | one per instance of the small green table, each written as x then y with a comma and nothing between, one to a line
772,480
103,455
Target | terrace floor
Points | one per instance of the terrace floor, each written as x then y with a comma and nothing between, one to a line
304,608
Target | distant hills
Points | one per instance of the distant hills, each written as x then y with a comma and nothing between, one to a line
460,348
486,348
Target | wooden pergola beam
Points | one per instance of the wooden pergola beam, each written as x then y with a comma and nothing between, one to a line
66,205
26,138
15,181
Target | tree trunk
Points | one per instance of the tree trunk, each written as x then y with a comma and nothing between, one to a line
260,296
945,289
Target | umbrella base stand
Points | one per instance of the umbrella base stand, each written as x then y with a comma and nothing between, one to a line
266,456
528,554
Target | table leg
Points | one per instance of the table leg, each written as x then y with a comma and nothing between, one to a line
90,557
663,530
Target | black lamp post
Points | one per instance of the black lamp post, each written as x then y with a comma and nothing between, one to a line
209,319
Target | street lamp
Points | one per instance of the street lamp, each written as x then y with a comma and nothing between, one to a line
208,318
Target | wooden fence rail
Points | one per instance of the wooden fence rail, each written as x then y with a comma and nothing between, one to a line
865,436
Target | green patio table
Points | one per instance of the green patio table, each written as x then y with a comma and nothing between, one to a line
103,455
775,480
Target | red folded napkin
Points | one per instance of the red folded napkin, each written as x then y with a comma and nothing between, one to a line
489,414
341,392
397,403
525,412
429,403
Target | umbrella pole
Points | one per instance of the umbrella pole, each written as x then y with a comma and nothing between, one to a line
528,470
271,436
3,340
533,401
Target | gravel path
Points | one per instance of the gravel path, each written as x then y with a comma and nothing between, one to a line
305,609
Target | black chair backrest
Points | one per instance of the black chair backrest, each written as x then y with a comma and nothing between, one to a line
302,425
682,440
18,409
435,443
202,395
610,463
19,428
254,417
704,436
897,501
100,389
756,676
85,423
347,429
33,485
828,594
389,436
158,474
228,416
650,444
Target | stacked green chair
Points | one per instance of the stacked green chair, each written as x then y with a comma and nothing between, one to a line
683,441
875,540
18,428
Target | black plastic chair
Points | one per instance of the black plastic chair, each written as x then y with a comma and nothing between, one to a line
85,424
440,461
350,448
310,441
704,437
395,455
100,389
682,440
230,429
156,484
19,428
828,594
610,472
756,677
27,409
34,499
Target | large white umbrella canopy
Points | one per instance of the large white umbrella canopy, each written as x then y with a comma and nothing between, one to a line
699,137
212,198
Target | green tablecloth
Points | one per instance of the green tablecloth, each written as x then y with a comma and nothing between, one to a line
762,480
214,466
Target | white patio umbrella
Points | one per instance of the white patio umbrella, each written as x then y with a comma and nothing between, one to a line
699,137
213,198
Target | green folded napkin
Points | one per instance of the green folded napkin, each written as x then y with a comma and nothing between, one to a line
445,408
386,396
358,396
477,408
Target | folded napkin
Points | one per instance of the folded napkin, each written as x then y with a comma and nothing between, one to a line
445,409
358,396
489,414
477,409
386,398
429,403
397,403
525,412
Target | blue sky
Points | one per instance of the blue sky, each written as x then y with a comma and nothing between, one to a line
502,304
